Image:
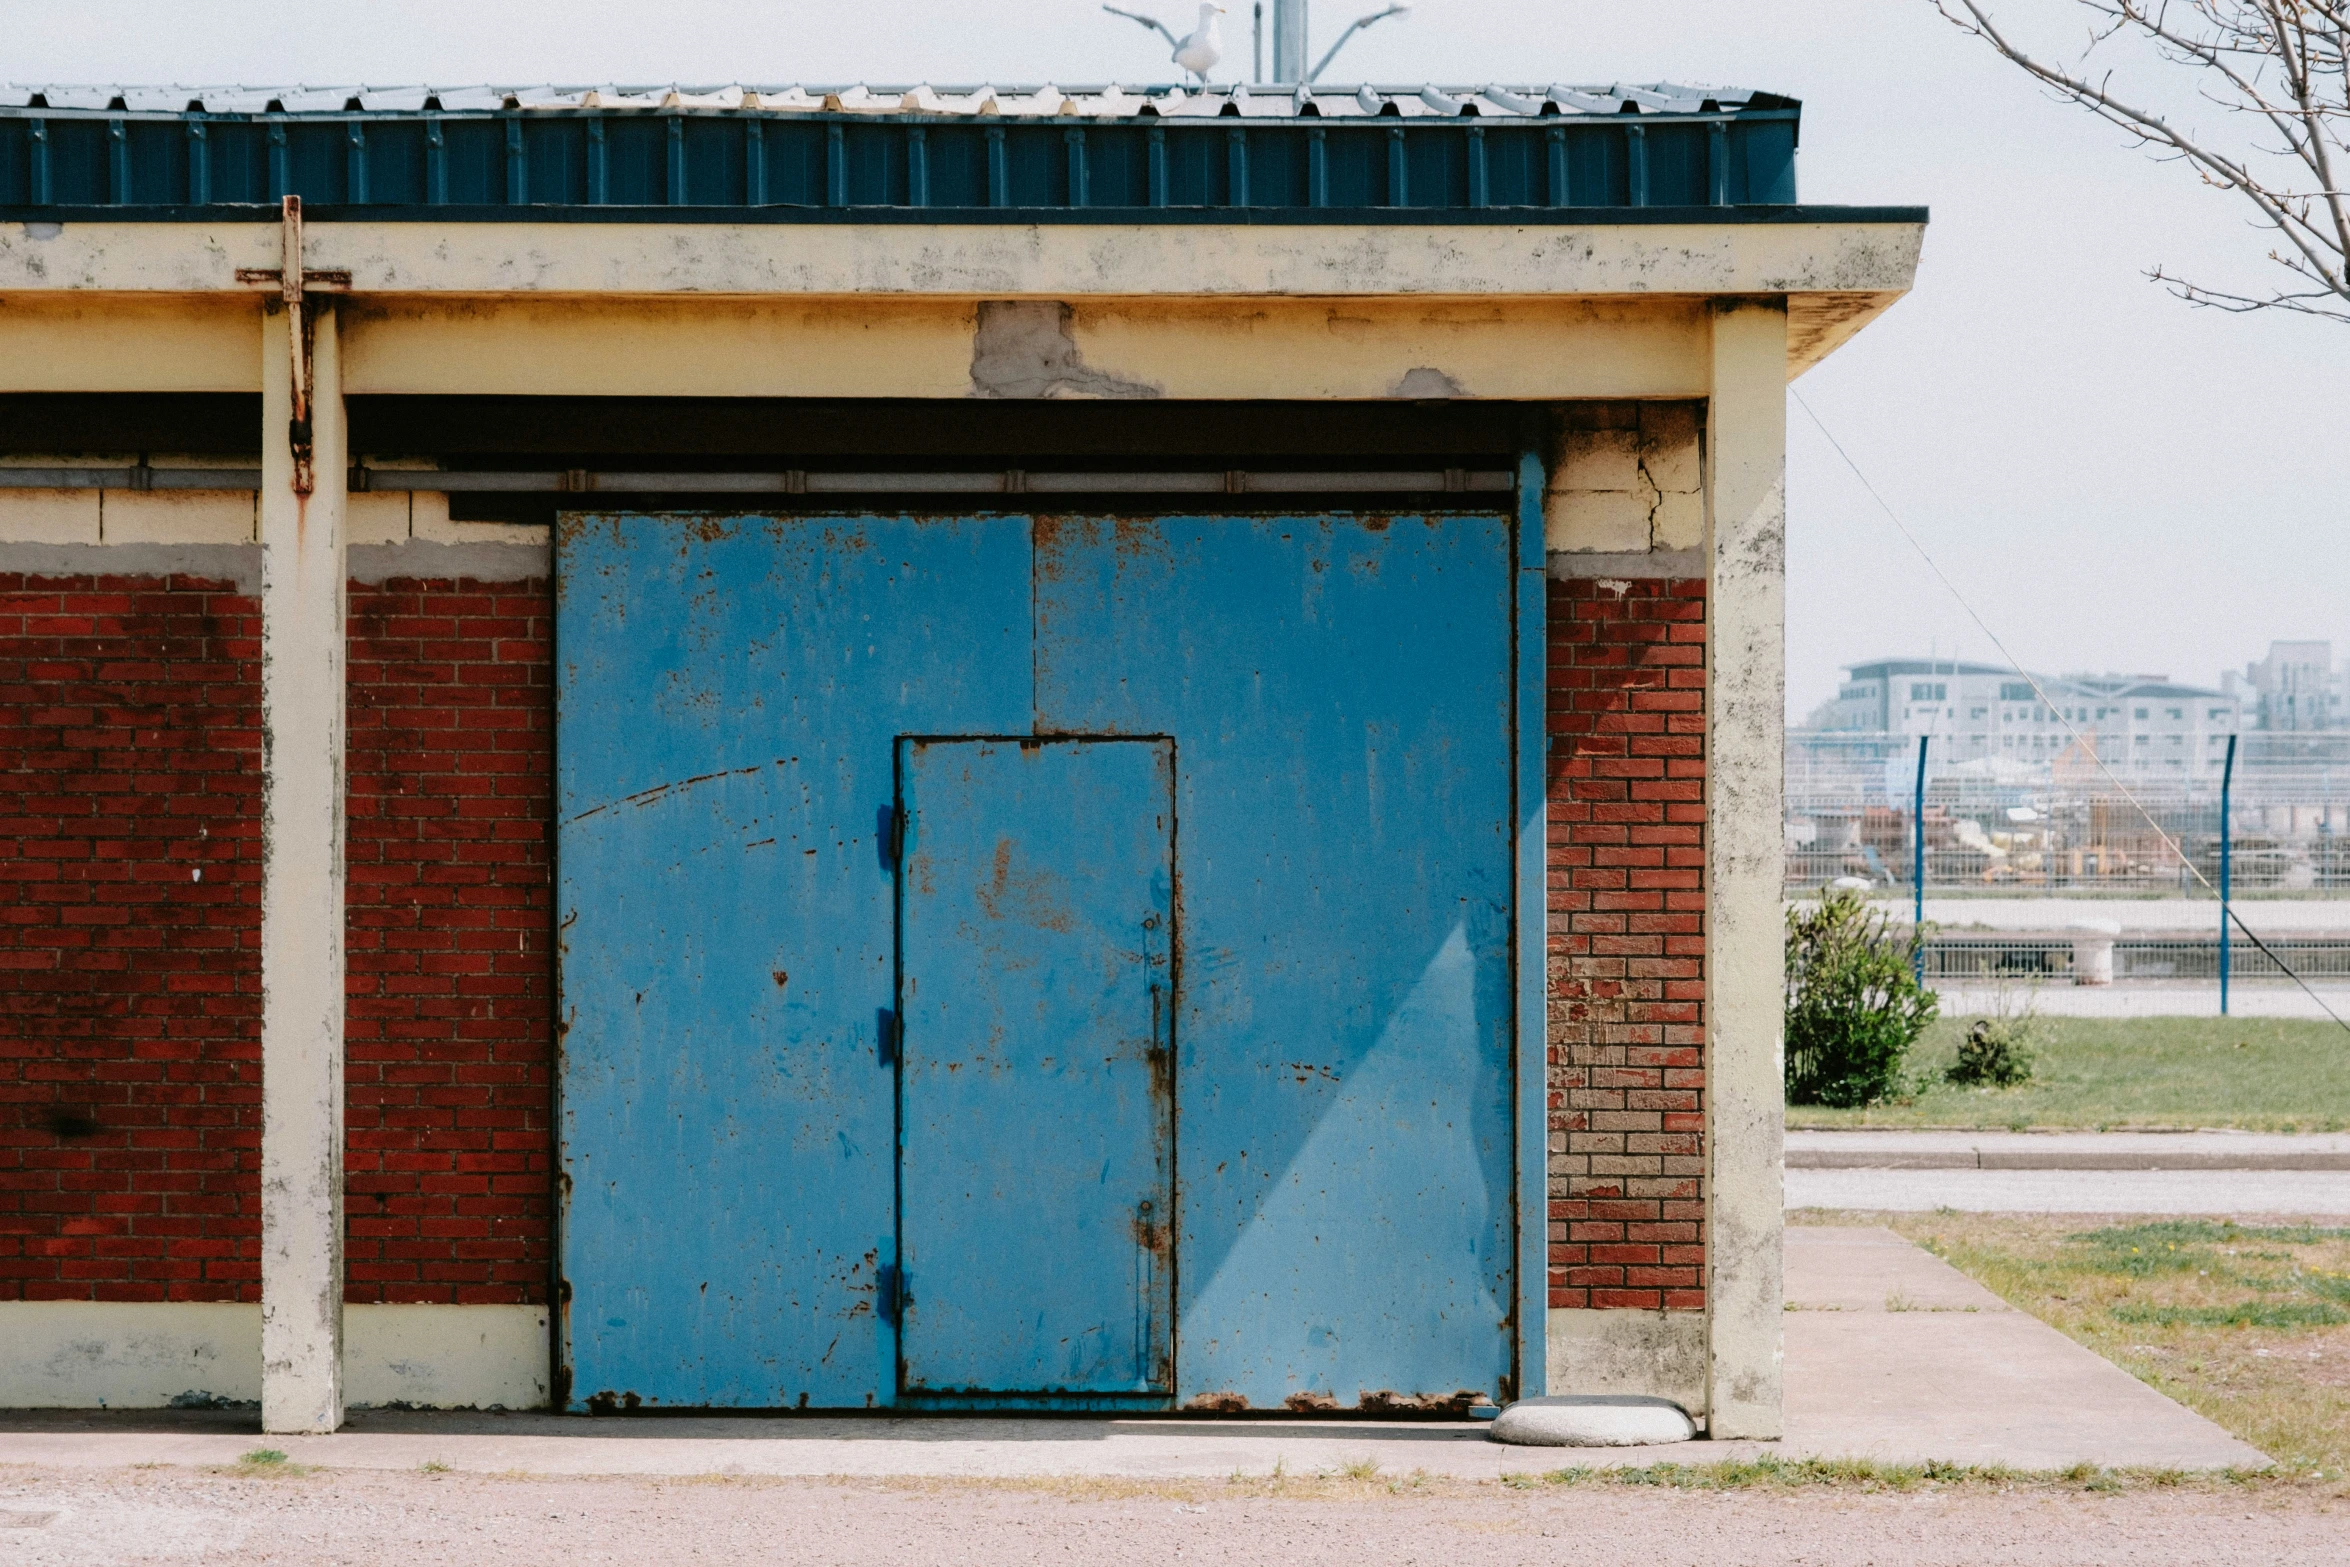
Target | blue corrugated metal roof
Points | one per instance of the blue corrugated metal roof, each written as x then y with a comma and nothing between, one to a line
1033,153
1098,101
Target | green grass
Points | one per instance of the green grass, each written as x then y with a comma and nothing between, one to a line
2257,1074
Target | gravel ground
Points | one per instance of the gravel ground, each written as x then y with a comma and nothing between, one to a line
122,1518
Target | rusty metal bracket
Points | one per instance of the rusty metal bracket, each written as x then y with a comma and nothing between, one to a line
294,285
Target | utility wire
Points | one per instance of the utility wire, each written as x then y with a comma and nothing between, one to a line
2062,716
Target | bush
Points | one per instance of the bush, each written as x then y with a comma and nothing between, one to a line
1854,1004
1997,1053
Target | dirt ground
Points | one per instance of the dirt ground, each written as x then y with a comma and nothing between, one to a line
184,1516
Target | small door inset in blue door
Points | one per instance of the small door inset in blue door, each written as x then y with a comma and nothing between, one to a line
1036,1133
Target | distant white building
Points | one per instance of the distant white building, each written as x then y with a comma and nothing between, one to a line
2296,689
2148,723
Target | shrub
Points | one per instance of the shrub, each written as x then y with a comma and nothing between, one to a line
1854,1004
1996,1053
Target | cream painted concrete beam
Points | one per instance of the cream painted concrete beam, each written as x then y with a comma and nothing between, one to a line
884,346
987,261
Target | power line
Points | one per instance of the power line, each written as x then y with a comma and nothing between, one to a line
2062,714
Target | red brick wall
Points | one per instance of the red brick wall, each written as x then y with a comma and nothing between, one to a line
450,1033
1627,945
130,1084
129,990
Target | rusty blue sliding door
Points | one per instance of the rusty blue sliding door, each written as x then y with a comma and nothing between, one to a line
730,692
1055,961
1339,689
1036,1152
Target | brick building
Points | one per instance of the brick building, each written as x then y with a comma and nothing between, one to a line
835,750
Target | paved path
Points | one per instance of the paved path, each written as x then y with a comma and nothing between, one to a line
2157,998
2070,1172
1902,1353
1960,1378
2323,1194
1984,1150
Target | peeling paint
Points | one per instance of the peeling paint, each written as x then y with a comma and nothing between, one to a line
1427,384
1028,348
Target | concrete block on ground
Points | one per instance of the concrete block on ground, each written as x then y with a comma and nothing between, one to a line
1593,1420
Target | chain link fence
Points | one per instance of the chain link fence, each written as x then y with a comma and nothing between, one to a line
2063,827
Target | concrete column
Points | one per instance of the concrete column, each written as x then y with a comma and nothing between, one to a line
1746,580
302,610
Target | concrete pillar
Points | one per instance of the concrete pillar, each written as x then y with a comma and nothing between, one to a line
2093,950
1746,579
302,610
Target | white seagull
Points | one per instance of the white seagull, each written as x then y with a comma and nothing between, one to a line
1199,53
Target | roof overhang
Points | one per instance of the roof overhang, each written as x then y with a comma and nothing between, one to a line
1835,268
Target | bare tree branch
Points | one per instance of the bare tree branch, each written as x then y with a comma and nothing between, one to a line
2280,64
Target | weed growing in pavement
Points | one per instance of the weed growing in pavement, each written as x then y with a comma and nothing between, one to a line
267,1462
1360,1469
433,1466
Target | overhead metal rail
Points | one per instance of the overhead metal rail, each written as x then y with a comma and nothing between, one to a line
796,481
762,156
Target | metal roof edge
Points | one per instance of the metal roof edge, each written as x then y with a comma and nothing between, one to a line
1279,217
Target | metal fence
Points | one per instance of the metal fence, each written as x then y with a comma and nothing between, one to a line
2029,959
2064,826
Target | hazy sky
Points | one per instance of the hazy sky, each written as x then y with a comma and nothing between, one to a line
2116,480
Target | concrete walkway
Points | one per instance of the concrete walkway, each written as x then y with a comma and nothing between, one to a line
2322,1195
1891,1354
1983,1150
2070,1172
2157,998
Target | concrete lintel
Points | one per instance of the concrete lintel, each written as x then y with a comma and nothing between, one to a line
303,617
1568,565
1746,570
238,565
475,562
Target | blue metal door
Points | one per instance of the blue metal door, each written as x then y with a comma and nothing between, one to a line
1320,1110
1036,1150
730,692
1339,690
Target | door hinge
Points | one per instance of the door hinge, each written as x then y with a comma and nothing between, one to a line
885,1033
889,835
889,1292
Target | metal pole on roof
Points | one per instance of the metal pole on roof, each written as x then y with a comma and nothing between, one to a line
1917,864
2227,866
1289,40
